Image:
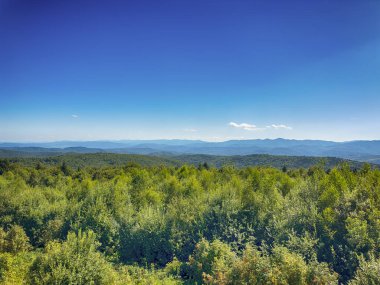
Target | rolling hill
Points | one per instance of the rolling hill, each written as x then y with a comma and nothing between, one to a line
355,150
113,159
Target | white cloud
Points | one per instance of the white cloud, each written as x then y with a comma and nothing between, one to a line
245,126
75,116
251,127
277,127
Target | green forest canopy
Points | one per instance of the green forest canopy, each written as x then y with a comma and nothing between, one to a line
111,159
172,224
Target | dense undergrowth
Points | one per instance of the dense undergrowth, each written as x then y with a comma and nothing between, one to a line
188,225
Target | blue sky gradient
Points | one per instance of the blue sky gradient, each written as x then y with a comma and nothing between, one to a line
87,70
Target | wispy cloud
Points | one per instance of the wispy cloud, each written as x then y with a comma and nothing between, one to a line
251,127
75,116
277,127
244,126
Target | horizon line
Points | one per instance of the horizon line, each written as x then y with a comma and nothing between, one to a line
178,139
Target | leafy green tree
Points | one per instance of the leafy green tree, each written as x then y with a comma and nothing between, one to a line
14,240
279,267
210,263
368,272
75,261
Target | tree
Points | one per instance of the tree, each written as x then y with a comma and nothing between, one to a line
210,263
368,272
75,261
14,240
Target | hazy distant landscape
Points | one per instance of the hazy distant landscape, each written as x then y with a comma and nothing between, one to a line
364,151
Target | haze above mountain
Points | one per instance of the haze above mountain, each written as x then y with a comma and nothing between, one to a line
357,150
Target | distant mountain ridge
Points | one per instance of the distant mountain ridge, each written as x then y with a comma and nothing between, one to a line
355,150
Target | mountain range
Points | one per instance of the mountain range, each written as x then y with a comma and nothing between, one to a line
368,151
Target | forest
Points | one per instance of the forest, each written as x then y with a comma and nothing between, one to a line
188,224
101,159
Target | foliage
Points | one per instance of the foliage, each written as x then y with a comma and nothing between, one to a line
279,267
368,272
74,261
210,263
132,224
42,156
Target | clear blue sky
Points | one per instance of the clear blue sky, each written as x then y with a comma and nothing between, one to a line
212,70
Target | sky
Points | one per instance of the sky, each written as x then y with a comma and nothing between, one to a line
211,70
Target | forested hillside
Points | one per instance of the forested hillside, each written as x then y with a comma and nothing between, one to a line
111,159
277,161
132,224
